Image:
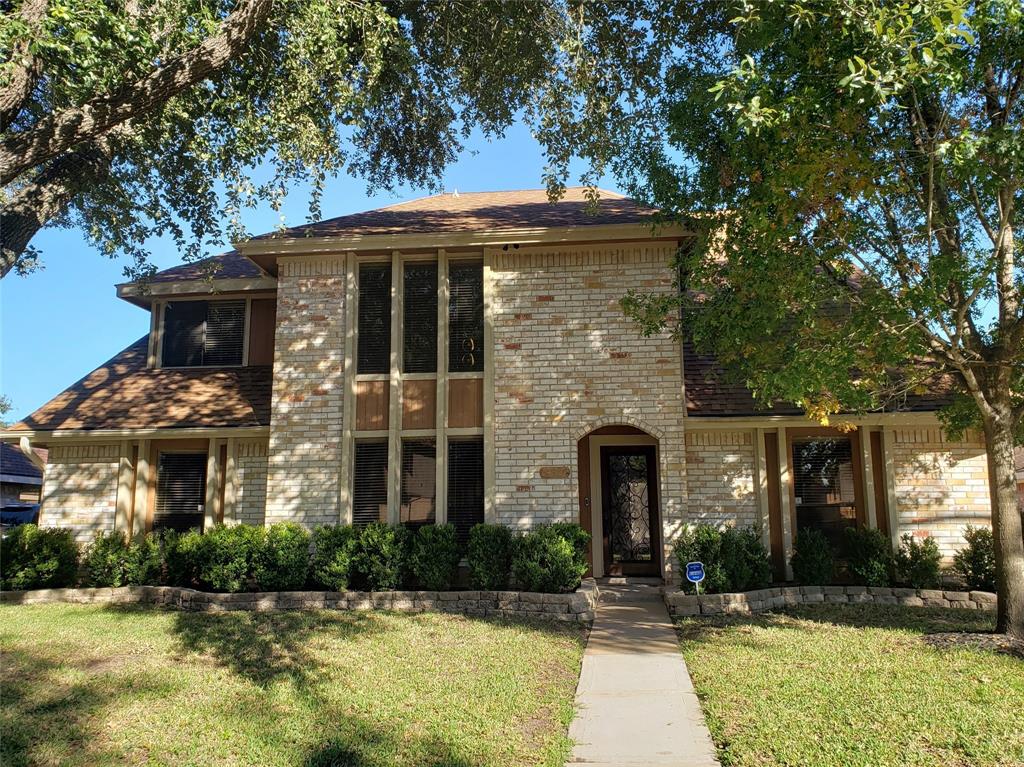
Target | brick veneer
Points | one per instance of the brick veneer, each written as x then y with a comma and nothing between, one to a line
305,421
80,489
567,361
720,478
941,485
251,466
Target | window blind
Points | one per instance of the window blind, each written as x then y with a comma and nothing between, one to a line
225,330
465,485
370,483
373,353
419,482
465,317
180,491
203,333
419,345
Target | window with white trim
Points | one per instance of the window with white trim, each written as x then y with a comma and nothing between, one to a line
203,333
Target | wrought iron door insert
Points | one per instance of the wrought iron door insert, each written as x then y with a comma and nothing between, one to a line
630,510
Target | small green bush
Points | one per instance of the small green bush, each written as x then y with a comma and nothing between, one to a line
812,560
869,556
334,547
381,555
975,563
282,558
917,564
489,554
550,558
106,559
733,559
34,557
112,559
181,555
227,557
434,556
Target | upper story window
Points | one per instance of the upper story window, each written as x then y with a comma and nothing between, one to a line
465,317
419,304
203,333
373,352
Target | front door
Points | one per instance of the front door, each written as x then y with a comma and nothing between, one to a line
629,503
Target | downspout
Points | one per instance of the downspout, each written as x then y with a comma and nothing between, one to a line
26,448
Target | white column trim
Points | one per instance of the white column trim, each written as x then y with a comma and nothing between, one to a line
890,485
441,393
490,511
870,510
348,399
141,500
231,482
395,400
785,480
123,503
761,486
212,499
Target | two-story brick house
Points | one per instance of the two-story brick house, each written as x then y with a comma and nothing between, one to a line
464,358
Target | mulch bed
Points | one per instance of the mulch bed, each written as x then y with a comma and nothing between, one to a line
993,642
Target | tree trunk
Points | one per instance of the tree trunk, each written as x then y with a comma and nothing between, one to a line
1006,522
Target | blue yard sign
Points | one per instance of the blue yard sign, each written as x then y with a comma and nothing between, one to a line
695,573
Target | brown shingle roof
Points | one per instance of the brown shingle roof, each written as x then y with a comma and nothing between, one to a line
710,391
226,266
124,394
14,463
479,211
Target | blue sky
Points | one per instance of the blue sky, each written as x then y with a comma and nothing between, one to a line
59,323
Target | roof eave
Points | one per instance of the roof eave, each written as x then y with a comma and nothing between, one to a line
143,294
263,251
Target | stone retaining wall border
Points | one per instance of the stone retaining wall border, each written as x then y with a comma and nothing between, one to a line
577,607
683,604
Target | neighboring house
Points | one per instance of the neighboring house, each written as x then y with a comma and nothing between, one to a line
464,358
21,479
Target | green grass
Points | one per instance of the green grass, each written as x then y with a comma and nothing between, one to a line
87,685
855,685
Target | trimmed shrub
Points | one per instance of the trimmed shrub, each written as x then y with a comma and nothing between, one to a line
112,559
106,559
434,556
282,560
381,555
917,564
812,560
334,547
869,556
733,559
226,557
550,558
975,563
34,557
181,555
489,555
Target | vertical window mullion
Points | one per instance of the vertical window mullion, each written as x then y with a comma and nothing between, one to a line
442,387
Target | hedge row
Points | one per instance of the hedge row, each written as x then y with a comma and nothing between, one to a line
285,557
736,560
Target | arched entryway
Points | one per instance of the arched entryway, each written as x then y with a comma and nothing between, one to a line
619,500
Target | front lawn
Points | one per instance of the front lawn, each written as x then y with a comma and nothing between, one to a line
830,685
89,685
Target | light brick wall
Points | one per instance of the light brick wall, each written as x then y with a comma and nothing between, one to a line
720,478
567,361
80,489
305,421
941,485
251,468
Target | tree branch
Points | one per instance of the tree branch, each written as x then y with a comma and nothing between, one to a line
61,132
23,66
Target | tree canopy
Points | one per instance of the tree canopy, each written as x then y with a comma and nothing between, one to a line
151,117
855,168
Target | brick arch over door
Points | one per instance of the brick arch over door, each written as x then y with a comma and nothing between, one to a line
604,428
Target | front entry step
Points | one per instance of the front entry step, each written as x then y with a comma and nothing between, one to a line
612,592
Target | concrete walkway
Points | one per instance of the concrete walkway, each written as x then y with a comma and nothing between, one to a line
635,702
